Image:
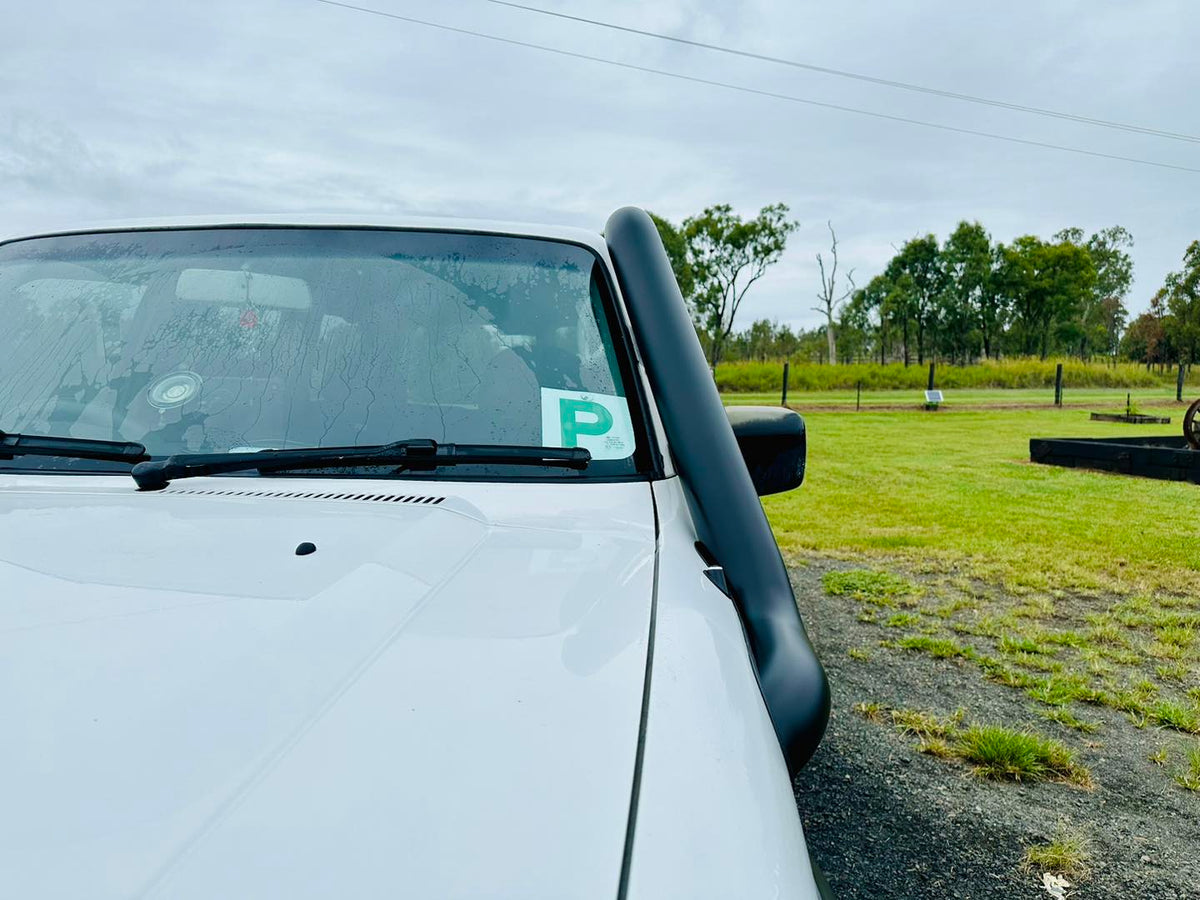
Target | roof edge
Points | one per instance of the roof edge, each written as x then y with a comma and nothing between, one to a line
592,239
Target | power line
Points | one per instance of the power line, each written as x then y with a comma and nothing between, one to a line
755,91
858,76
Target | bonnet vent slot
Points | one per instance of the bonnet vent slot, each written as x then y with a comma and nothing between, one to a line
312,495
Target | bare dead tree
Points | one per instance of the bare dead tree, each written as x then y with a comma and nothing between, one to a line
831,300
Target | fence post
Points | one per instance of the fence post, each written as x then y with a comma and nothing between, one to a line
786,366
1058,385
1179,385
931,365
858,397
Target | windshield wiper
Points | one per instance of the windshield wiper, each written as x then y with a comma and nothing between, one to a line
421,454
73,448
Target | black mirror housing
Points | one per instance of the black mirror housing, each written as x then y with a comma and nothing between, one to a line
774,445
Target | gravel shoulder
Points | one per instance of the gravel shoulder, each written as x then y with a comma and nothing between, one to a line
886,821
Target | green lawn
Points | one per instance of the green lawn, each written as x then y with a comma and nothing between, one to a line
955,491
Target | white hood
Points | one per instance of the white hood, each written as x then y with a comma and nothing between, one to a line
441,701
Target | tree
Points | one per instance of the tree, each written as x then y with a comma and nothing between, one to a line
760,340
1145,340
892,306
1102,311
829,295
971,304
868,312
677,251
1180,294
856,328
727,256
787,342
765,340
812,345
917,276
1031,296
1047,283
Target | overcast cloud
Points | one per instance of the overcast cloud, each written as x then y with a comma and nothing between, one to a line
124,109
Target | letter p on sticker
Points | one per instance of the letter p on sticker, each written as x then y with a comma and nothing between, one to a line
582,417
600,423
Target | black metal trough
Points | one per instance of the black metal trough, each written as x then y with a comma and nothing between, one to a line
1166,457
1131,418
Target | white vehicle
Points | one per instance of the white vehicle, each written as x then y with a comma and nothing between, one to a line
347,560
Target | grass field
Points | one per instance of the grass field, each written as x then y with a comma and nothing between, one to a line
956,489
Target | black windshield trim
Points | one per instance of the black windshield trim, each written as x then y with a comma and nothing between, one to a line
646,455
563,476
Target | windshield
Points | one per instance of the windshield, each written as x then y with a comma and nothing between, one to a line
236,339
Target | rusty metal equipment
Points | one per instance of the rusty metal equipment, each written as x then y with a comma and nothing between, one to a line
1191,428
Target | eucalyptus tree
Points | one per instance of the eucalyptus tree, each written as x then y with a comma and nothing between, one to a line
1180,294
974,311
918,278
727,256
1102,313
1047,283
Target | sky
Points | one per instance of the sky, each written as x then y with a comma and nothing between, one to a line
133,108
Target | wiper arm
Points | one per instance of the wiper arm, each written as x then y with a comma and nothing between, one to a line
405,455
74,448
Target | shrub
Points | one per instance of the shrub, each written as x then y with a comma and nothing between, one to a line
764,377
1001,753
1189,778
1169,714
1067,853
871,711
923,724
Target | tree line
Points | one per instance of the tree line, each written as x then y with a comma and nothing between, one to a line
960,300
969,298
1169,332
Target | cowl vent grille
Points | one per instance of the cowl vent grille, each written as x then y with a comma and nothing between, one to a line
312,495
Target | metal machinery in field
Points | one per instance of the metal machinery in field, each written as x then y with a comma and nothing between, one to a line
1191,428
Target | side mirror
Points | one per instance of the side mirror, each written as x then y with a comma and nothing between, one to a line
773,444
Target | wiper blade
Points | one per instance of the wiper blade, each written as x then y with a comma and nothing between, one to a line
407,455
74,448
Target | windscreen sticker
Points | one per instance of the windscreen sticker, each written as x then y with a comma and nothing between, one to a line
600,423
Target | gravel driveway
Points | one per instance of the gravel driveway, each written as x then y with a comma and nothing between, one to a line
885,821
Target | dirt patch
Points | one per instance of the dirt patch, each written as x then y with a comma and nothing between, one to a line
886,821
946,407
